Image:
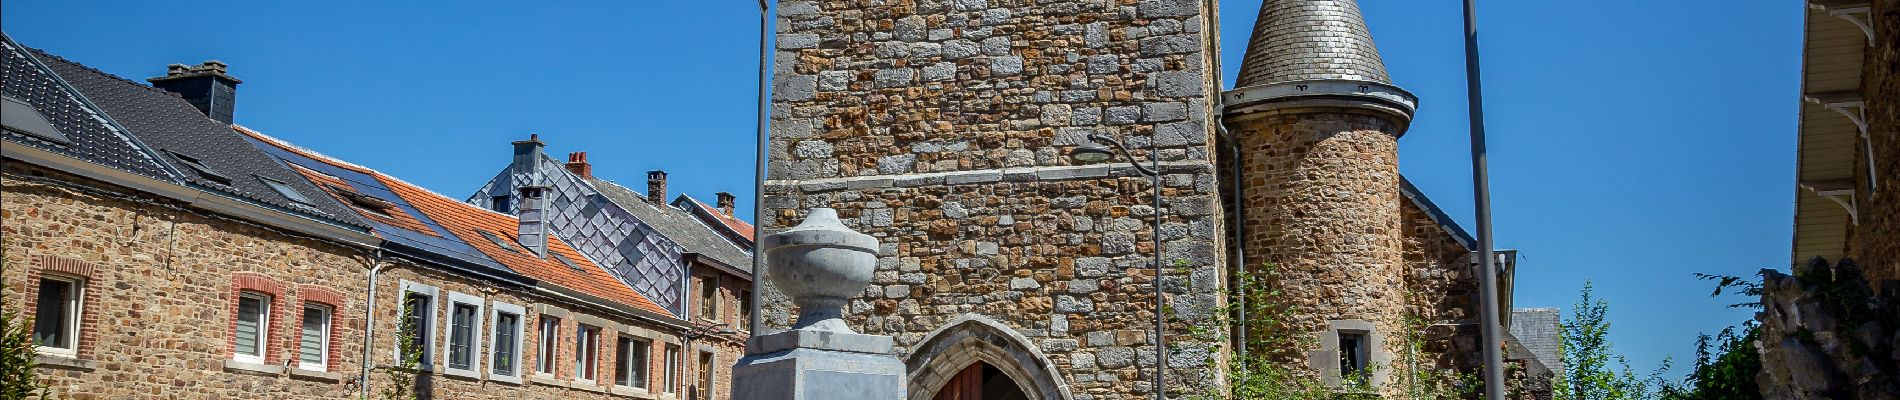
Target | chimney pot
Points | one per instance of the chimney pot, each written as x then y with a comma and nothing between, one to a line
656,187
726,201
577,163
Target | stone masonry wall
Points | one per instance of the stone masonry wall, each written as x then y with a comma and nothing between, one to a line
1321,188
941,126
1876,240
158,294
158,301
1444,294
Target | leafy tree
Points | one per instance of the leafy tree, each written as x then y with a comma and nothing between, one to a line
1592,369
402,376
1728,371
18,362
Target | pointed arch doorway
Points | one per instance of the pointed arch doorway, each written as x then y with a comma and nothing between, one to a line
981,381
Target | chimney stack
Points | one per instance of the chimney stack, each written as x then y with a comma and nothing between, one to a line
533,232
206,86
577,163
726,202
656,187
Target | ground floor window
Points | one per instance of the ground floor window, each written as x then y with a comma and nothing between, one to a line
56,316
253,327
314,341
630,368
544,356
705,375
586,342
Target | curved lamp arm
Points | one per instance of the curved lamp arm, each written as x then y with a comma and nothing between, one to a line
1099,138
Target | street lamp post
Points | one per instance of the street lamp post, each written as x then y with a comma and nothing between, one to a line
1094,152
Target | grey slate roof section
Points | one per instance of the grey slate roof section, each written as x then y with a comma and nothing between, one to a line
168,124
91,137
1297,40
677,224
607,233
1537,329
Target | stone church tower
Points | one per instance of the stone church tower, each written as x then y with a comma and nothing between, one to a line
1008,271
1317,122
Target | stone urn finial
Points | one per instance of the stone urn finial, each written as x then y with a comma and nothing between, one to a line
820,263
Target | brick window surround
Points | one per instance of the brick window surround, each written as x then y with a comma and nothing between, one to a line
276,342
329,297
89,294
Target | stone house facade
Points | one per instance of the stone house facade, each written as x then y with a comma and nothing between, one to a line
943,128
1827,328
168,253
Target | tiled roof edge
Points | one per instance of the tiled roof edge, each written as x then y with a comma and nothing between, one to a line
1438,215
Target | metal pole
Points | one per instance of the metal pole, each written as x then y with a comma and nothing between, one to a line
1487,261
758,183
1161,324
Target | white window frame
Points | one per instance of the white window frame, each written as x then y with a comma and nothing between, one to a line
263,328
323,360
587,339
474,369
546,345
75,309
646,368
428,329
521,323
672,354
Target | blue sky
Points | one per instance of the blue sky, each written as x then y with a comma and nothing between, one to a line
1633,142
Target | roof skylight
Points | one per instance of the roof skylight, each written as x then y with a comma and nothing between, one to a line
499,242
286,190
20,117
200,167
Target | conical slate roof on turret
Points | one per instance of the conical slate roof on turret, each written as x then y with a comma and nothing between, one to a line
1296,40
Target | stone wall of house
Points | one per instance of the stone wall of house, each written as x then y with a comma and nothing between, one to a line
1443,294
159,286
1876,240
1322,198
941,126
159,296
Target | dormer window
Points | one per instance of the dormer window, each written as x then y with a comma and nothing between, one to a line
501,204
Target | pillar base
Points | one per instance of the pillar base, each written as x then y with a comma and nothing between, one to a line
817,365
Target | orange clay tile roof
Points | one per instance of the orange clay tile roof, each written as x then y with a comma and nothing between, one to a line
392,216
744,229
466,221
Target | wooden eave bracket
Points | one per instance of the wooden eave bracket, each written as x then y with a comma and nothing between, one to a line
1850,105
1841,191
1856,12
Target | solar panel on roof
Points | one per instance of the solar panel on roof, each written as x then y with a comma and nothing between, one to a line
286,190
20,117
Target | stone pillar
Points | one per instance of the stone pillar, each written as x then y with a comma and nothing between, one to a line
820,264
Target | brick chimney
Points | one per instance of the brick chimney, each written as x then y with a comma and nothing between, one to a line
533,232
726,202
205,86
577,163
656,187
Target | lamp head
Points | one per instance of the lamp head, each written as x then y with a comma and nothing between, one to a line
1090,153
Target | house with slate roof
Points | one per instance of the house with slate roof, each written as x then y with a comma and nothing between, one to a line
166,250
663,251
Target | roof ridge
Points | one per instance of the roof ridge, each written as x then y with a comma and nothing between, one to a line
101,72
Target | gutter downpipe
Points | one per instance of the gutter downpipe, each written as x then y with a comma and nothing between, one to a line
1233,143
758,184
369,325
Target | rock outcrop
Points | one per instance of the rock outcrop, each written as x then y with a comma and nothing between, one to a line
1827,335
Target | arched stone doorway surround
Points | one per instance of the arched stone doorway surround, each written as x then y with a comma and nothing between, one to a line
970,338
